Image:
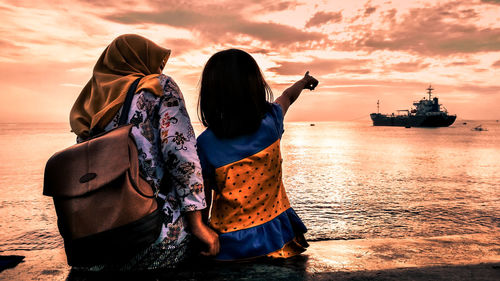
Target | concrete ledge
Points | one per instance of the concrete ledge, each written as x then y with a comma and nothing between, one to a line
464,257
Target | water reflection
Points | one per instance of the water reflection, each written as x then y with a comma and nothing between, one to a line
346,180
352,180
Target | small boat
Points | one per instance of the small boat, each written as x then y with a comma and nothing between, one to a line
479,128
312,124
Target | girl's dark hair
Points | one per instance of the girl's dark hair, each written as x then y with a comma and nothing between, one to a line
234,97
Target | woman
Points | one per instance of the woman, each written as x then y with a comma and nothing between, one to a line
165,141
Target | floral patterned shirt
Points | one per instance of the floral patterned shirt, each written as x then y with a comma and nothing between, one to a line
166,144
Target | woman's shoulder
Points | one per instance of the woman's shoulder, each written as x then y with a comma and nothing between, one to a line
170,88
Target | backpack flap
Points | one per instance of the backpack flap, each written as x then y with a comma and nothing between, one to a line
85,167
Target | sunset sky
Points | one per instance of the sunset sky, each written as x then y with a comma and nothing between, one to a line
360,51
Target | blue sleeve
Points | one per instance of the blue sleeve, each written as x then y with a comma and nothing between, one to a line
277,114
207,169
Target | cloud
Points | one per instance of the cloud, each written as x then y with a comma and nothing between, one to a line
275,7
390,15
359,52
11,51
469,14
370,10
496,2
180,46
409,66
5,44
322,66
479,89
347,70
262,6
321,18
72,85
440,30
463,63
220,26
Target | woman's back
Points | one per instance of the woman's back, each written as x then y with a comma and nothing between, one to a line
165,142
166,150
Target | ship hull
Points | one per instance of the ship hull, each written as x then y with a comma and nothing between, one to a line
412,120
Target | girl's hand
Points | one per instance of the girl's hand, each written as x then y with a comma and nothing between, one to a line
310,82
292,93
204,233
208,237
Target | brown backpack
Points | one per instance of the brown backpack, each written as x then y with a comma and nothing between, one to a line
106,212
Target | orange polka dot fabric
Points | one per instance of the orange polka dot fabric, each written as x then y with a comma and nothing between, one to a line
250,209
251,191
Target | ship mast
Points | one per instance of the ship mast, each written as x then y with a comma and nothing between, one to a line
378,107
429,91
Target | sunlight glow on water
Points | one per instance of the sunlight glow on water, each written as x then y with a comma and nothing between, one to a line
345,180
353,180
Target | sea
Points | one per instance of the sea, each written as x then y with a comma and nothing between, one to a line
346,180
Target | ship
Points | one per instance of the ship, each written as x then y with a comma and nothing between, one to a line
427,113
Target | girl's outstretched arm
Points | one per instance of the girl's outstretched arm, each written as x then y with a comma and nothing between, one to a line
293,92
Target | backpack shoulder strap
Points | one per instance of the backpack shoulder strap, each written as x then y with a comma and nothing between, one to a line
128,102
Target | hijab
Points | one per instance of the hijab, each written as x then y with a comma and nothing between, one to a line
127,58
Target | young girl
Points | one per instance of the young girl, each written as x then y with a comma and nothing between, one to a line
241,162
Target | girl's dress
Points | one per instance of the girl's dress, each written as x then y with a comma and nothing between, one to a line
166,146
250,208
